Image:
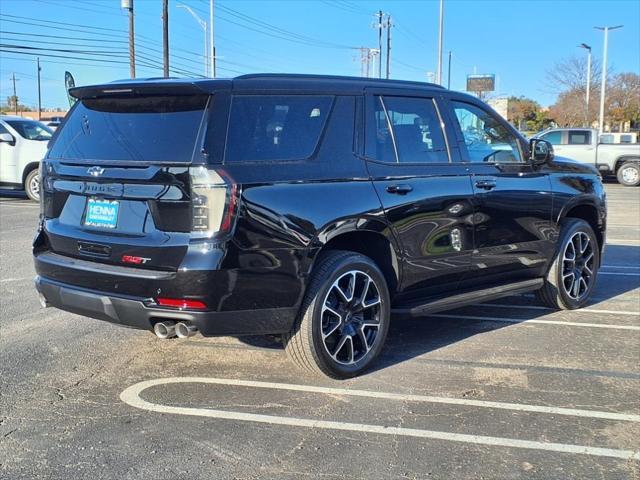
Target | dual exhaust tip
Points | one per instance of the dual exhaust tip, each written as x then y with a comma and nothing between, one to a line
170,329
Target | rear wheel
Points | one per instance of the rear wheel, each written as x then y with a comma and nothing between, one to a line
572,276
629,174
344,317
32,185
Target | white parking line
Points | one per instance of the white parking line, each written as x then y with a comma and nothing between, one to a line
581,310
131,396
548,322
623,274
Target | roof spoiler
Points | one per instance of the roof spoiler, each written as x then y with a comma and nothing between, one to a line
137,88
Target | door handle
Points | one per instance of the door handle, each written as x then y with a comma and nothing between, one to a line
401,189
486,184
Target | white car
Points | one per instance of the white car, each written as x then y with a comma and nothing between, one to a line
23,143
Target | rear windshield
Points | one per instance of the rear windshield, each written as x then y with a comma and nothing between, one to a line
275,127
153,128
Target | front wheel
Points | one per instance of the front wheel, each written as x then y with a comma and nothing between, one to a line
629,174
344,317
32,185
572,276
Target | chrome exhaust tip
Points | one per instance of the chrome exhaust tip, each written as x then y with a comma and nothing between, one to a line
184,330
165,329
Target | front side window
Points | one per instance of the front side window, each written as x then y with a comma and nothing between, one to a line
486,139
554,138
579,137
145,128
406,130
275,127
30,129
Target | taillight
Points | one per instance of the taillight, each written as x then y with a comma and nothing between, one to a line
181,303
213,201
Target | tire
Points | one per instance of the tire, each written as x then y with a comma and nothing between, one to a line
32,185
629,174
573,273
333,334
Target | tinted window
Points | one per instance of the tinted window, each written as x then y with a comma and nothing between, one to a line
554,138
275,127
626,139
2,129
579,137
606,138
415,127
30,129
486,139
154,128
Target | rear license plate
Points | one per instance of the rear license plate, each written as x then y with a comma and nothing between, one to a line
102,213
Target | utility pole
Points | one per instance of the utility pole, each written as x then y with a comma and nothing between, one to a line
388,45
380,26
604,73
212,47
439,71
165,38
15,96
128,5
586,113
449,72
39,92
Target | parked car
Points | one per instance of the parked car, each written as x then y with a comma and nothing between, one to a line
54,122
23,143
621,160
311,207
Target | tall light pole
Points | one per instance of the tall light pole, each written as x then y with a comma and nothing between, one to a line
203,24
165,38
588,49
439,71
604,72
128,5
212,47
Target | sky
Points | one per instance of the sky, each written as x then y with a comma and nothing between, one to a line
517,40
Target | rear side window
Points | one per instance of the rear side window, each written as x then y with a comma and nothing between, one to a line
30,129
152,128
266,128
406,130
578,137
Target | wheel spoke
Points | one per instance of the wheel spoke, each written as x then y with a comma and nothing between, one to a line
575,288
363,338
583,282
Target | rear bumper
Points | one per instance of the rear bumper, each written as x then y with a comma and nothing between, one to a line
135,313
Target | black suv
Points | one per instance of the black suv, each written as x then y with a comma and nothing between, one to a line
311,207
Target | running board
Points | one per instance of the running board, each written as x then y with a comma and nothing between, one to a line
468,298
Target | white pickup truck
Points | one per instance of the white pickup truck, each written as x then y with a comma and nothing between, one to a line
586,146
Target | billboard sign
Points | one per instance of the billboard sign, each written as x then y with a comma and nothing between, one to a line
481,83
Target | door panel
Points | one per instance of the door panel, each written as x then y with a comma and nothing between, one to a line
513,202
433,223
426,199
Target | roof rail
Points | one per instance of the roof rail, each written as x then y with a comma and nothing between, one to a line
289,76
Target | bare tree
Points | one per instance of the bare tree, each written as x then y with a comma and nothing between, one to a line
571,74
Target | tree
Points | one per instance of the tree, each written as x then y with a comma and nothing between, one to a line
521,110
623,100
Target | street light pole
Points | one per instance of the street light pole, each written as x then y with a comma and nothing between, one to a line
588,49
212,47
439,71
604,73
203,24
128,5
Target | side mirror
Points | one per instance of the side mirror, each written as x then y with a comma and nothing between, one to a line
7,138
540,151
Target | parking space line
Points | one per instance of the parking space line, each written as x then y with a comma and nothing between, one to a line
580,310
131,396
623,274
549,322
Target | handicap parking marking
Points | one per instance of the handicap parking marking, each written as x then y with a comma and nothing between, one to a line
131,396
544,322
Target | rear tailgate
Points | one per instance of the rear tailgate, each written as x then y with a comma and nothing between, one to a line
116,183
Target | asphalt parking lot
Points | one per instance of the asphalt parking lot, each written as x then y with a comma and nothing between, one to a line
506,390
